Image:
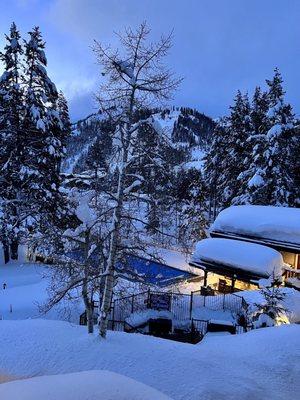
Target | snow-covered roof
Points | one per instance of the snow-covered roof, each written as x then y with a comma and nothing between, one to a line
279,224
254,258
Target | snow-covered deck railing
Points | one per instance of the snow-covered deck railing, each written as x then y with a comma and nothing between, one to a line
254,259
271,225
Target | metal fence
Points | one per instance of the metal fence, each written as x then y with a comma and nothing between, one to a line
123,307
182,306
200,326
230,302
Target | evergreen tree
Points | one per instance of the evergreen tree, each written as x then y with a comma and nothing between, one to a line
251,178
45,133
237,147
34,125
213,168
64,116
272,311
269,177
11,142
191,192
282,138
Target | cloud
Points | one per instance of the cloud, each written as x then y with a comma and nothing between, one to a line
219,46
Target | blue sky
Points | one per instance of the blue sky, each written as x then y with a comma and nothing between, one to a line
220,46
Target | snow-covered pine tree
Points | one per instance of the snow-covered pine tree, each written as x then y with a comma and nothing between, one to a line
63,110
272,310
46,126
213,168
269,177
191,195
154,166
251,180
295,165
282,139
11,143
238,128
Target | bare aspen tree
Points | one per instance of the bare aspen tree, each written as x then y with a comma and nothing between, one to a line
135,78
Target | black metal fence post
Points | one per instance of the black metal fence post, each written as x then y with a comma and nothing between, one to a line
191,306
113,316
132,303
149,298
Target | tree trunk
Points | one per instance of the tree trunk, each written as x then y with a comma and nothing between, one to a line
14,247
85,295
106,303
116,222
88,307
109,278
90,320
6,252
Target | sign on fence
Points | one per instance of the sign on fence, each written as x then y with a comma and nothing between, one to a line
160,301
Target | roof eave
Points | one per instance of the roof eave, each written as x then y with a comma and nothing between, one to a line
230,271
275,244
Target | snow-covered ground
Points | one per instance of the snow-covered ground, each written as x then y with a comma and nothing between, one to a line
26,291
261,364
86,385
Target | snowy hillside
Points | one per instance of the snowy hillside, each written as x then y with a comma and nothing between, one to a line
188,130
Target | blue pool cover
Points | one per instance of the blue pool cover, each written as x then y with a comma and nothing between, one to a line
139,268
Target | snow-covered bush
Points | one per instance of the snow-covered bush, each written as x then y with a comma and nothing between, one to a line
271,311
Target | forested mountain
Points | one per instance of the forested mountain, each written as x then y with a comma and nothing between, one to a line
187,131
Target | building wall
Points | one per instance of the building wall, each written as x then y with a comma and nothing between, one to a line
213,281
291,258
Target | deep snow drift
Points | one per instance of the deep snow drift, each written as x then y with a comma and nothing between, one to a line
261,364
88,385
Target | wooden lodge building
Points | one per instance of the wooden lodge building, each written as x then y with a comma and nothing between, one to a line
249,243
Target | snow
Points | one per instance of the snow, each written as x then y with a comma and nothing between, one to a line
221,322
26,290
176,259
83,211
291,302
140,318
198,159
258,365
196,164
165,125
256,181
207,314
251,257
267,222
294,282
86,385
274,131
